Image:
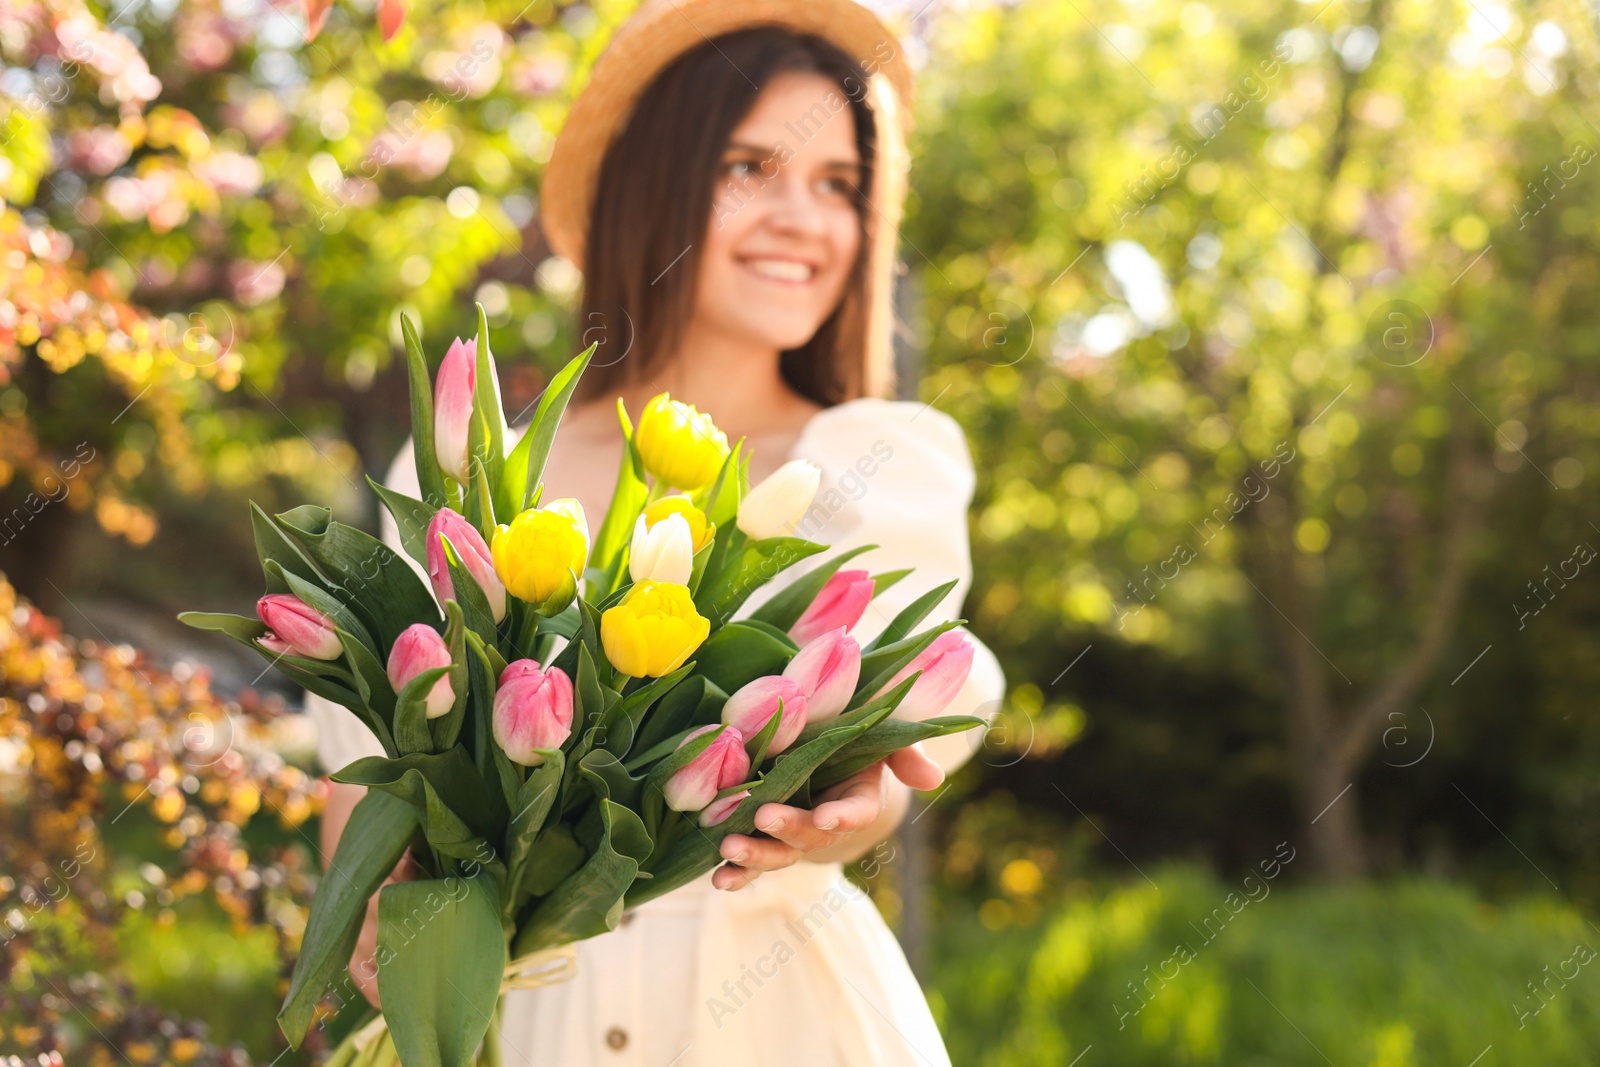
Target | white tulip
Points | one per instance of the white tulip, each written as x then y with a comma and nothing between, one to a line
776,506
663,552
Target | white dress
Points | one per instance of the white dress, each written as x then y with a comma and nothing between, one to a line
798,967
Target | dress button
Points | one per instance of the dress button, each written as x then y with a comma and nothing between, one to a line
627,917
617,1037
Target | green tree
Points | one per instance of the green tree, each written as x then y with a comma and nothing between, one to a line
1254,312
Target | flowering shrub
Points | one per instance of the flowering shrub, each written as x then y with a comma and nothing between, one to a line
131,796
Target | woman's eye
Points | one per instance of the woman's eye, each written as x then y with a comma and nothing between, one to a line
741,168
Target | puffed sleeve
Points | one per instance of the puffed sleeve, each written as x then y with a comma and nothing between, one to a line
899,475
341,737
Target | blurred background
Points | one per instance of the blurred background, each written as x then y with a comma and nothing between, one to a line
1274,331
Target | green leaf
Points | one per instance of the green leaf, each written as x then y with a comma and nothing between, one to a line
557,854
627,501
241,629
377,695
786,606
697,701
881,664
411,517
611,779
739,653
758,563
364,573
451,798
526,465
373,841
720,500
447,727
884,739
590,901
272,544
430,479
908,618
443,954
622,721
469,594
411,732
486,447
534,800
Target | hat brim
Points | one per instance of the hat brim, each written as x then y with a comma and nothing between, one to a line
656,35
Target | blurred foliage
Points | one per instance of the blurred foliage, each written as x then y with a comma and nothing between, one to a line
154,863
1161,246
210,229
1188,969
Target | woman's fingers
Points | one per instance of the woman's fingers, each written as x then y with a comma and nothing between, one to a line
760,853
916,768
856,805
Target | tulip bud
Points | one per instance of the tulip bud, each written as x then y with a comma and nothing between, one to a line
755,702
474,555
453,392
827,670
679,445
297,628
723,763
701,530
718,810
841,602
663,552
420,648
532,710
945,665
534,554
775,506
652,629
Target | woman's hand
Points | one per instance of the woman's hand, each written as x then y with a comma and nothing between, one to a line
848,819
364,961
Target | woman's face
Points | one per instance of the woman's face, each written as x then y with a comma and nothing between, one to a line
784,230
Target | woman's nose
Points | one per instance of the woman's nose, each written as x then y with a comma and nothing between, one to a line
793,207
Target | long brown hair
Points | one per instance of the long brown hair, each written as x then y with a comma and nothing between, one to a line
654,200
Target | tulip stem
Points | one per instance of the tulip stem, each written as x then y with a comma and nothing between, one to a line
491,1040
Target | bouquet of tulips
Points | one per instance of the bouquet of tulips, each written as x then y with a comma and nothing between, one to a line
571,723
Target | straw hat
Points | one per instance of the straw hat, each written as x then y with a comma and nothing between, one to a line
661,31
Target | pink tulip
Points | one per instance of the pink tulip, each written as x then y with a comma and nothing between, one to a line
719,810
945,665
842,602
532,710
756,702
827,669
474,556
297,629
452,407
420,648
723,763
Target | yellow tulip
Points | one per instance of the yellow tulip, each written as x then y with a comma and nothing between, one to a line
679,445
652,629
533,555
700,531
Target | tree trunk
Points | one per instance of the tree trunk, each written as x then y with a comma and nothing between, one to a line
1328,799
36,548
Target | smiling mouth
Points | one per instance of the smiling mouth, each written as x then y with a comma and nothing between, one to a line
788,271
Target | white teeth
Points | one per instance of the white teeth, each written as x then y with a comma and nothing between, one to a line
782,269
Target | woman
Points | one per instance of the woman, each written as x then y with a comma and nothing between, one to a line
729,183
